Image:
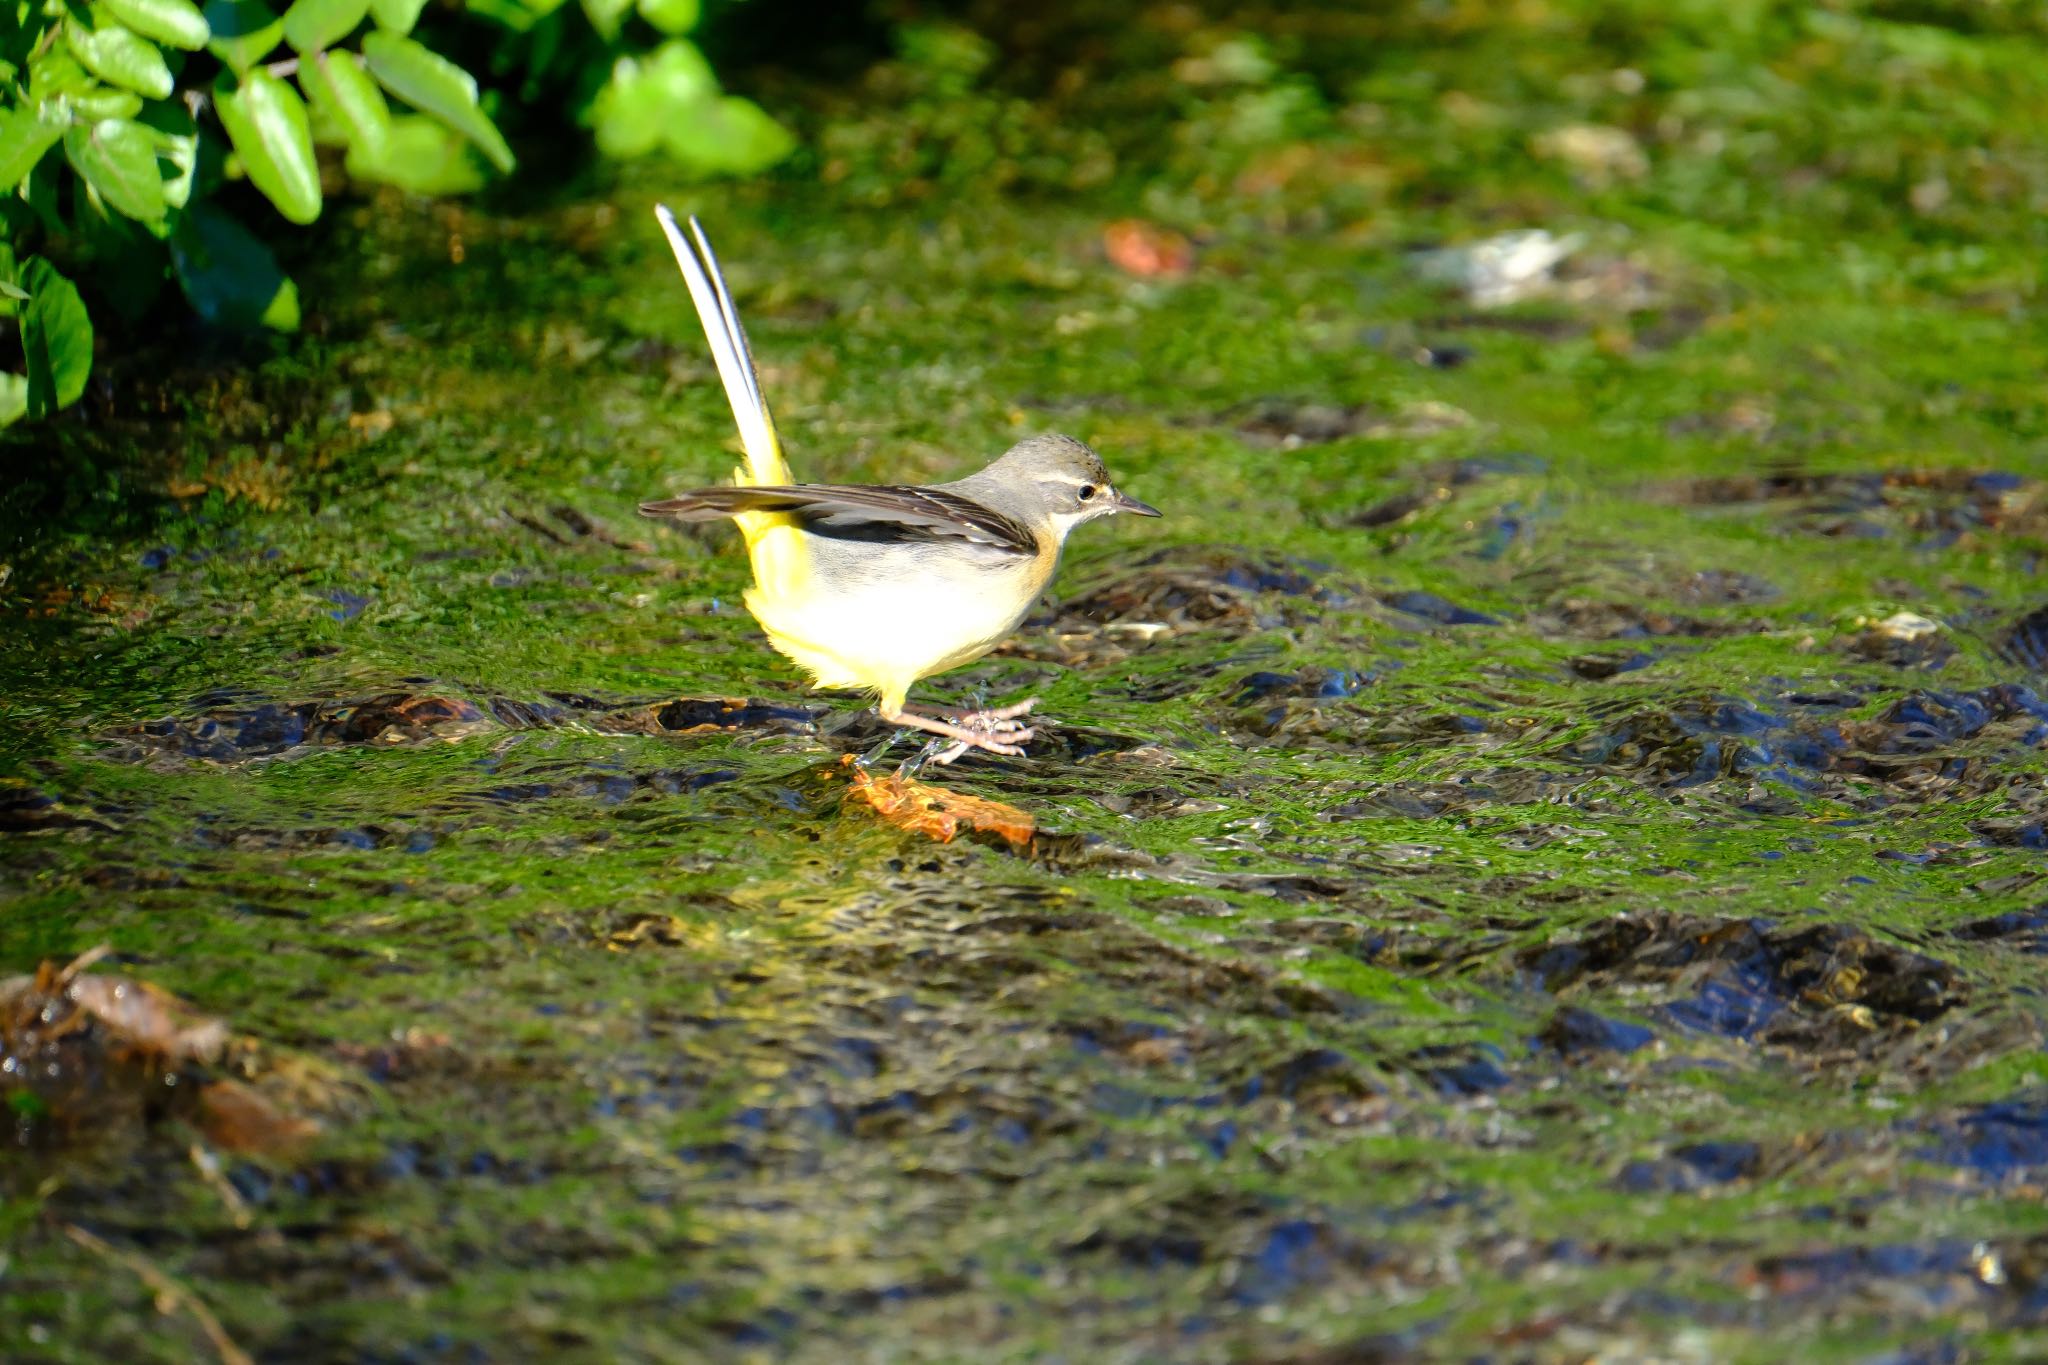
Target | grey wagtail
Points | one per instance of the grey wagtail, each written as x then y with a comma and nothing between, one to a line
876,586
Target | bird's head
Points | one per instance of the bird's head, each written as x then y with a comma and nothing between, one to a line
1060,478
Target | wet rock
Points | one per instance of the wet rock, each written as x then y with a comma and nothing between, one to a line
687,714
1807,746
226,733
2023,931
1314,684
1290,425
1721,588
1820,986
1574,1031
2018,833
1903,640
1999,1141
1289,1257
347,605
1600,667
1586,618
1437,610
23,807
230,733
1460,1070
1694,1166
1931,507
1439,483
1934,1279
1175,590
2025,642
1393,509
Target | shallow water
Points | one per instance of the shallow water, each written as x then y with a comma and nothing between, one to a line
1538,857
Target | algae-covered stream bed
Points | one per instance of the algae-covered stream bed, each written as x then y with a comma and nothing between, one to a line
1538,855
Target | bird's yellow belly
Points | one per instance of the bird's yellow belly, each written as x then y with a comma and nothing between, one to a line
883,636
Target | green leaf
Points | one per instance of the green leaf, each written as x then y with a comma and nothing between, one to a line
646,95
104,101
244,31
397,15
175,138
117,158
310,25
10,292
230,277
174,23
422,155
56,334
266,121
56,77
128,261
607,15
437,86
343,95
24,137
669,99
672,16
520,16
13,398
120,58
731,136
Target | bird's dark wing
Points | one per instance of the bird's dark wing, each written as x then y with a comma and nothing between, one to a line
883,512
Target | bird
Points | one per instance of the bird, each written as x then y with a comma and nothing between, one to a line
874,587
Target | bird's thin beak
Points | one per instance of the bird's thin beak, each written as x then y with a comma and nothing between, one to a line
1124,502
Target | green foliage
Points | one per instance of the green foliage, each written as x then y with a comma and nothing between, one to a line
174,23
230,277
436,86
56,337
312,25
243,31
661,98
348,108
117,160
157,103
937,116
266,121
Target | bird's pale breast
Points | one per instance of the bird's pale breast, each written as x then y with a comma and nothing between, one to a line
880,617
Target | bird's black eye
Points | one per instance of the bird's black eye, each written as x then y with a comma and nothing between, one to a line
1087,491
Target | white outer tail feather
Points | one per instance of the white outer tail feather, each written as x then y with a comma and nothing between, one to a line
729,349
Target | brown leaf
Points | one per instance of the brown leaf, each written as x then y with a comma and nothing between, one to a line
936,812
1147,250
149,1018
239,1119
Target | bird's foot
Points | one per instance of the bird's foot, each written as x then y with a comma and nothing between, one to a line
996,720
999,732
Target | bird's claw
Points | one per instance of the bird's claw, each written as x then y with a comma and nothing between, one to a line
1009,741
997,730
998,720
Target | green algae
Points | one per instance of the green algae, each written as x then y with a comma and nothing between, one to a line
1262,1050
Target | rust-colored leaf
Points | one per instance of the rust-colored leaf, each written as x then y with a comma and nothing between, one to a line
239,1119
97,1051
936,812
1147,250
149,1018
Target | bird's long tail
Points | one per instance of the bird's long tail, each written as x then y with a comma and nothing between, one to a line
773,541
